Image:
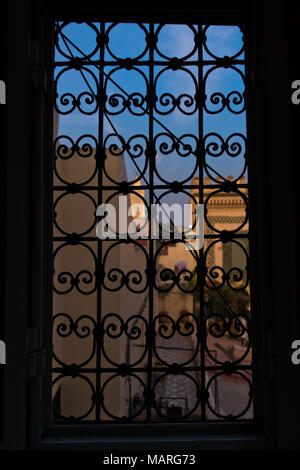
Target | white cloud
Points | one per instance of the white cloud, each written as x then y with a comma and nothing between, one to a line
176,40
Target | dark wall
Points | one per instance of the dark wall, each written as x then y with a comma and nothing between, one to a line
290,48
293,53
3,76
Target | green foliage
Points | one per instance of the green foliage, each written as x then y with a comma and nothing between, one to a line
216,297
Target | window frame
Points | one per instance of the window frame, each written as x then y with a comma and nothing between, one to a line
132,429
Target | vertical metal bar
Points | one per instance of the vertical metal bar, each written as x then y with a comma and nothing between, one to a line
201,266
151,242
101,151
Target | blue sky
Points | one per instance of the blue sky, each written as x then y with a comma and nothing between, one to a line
128,40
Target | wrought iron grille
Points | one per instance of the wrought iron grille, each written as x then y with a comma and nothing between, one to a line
144,330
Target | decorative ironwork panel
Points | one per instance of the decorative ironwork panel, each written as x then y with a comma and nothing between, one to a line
146,330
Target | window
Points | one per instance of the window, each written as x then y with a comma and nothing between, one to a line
147,331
